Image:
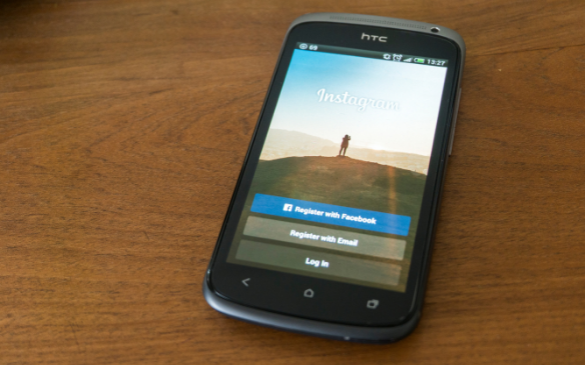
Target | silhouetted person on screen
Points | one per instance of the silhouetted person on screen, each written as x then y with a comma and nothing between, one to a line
344,145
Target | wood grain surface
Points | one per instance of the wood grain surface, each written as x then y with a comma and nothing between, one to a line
123,126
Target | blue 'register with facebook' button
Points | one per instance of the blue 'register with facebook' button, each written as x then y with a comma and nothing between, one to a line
331,214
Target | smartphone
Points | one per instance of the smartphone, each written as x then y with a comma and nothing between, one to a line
329,231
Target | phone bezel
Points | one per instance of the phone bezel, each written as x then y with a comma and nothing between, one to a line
406,303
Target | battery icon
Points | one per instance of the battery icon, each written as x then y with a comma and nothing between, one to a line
419,60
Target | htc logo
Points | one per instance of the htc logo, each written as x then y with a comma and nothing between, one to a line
373,37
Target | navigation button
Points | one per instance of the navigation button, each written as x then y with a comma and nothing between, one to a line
372,303
309,293
245,281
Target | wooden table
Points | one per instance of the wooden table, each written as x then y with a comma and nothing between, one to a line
123,126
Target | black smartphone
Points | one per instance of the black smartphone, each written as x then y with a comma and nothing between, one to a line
329,231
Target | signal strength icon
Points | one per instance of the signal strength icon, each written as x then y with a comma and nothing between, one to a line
409,60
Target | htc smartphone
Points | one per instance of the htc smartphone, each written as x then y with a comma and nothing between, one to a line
329,231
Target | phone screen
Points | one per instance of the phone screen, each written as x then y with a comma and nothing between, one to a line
338,188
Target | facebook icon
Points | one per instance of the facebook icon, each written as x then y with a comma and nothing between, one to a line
287,207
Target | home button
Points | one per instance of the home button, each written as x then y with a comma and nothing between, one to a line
309,293
372,303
